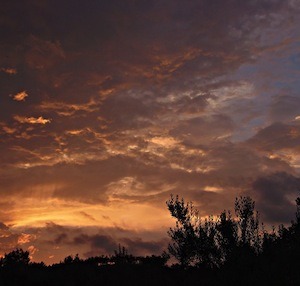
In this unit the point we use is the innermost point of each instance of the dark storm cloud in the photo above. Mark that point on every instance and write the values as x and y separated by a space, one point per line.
99 243
204 130
61 238
276 194
3 226
43 54
284 108
277 136
138 245
91 241
107 244
235 160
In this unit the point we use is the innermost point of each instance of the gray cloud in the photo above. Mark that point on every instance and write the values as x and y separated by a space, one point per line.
284 108
106 244
277 136
276 195
98 243
204 130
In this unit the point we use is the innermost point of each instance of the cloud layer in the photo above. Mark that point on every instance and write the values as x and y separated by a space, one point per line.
108 107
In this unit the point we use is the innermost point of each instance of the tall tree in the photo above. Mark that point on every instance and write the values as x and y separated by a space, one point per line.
248 223
193 240
227 234
183 235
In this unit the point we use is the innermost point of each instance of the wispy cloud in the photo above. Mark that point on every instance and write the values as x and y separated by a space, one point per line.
43 54
68 109
9 130
10 239
10 71
20 96
32 120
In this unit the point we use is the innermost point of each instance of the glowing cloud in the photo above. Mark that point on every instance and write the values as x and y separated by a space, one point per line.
65 109
25 238
20 96
9 130
32 120
10 71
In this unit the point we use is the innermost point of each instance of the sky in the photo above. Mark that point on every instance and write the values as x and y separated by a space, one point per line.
108 107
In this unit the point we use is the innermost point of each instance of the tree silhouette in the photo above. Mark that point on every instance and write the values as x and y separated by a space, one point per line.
183 235
227 236
210 242
193 240
248 223
15 258
121 256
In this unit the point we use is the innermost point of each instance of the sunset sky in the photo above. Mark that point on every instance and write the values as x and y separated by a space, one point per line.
108 107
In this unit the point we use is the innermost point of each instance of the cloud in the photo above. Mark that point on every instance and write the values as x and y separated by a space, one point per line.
11 239
138 246
106 244
10 71
276 136
61 238
68 109
9 130
98 242
204 130
3 226
54 242
284 108
86 215
43 54
20 96
32 120
276 195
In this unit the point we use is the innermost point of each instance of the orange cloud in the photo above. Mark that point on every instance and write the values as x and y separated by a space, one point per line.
9 130
20 96
25 238
66 109
32 120
10 71
10 239
32 250
43 54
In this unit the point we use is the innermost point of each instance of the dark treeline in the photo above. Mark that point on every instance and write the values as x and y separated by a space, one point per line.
231 249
